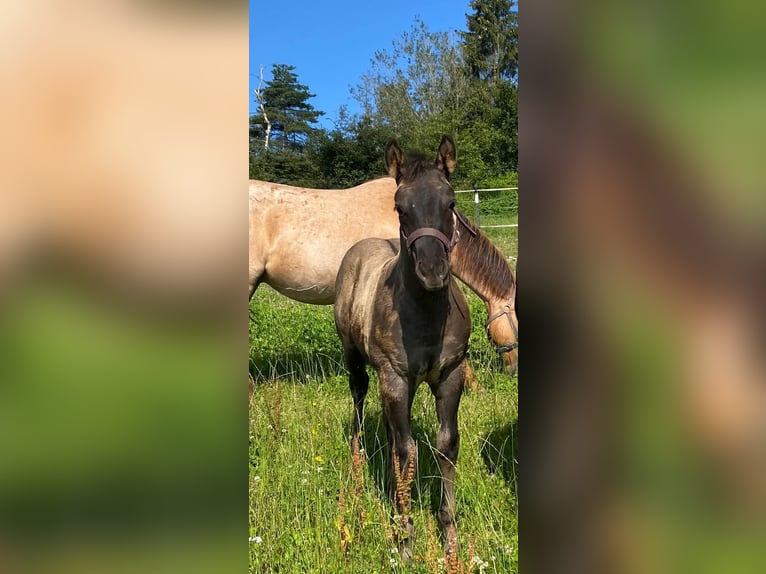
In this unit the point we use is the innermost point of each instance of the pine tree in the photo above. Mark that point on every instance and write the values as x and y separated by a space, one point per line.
285 101
490 53
490 44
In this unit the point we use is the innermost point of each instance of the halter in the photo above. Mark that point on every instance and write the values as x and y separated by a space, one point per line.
506 310
432 232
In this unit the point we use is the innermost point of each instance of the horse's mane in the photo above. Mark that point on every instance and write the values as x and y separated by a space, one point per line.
492 274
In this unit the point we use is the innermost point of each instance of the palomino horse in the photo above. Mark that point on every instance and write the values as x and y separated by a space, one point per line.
298 237
399 309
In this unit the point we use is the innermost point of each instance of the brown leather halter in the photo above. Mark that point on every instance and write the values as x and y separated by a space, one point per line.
506 310
432 232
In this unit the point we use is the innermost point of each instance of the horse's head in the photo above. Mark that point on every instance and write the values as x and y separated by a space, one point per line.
425 201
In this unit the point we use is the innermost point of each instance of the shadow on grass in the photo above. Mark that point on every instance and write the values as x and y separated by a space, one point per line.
427 483
500 450
296 365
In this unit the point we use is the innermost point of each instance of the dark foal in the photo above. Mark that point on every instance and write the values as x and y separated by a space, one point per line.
399 309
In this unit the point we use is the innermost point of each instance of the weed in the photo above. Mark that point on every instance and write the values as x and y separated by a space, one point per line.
273 402
352 515
403 484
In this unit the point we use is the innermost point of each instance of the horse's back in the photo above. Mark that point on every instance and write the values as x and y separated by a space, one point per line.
298 236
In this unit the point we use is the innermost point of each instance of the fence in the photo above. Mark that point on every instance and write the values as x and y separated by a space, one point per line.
477 210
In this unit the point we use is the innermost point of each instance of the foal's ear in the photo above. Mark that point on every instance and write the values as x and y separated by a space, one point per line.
446 157
394 159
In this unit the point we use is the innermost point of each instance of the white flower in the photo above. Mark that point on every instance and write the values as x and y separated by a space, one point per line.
256 539
477 561
257 479
392 561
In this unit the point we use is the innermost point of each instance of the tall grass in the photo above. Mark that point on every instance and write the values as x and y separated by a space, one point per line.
313 508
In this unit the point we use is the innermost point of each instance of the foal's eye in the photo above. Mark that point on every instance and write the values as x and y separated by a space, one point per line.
452 205
398 209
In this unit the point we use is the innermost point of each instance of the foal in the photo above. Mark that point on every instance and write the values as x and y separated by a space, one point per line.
399 309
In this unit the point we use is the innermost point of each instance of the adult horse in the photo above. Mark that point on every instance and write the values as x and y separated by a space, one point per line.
399 309
298 237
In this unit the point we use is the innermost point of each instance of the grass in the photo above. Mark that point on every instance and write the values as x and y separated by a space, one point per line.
505 238
313 509
316 509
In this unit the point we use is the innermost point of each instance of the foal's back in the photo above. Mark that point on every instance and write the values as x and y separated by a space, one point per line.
357 287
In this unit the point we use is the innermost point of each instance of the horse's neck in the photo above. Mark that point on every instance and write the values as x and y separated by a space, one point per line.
464 268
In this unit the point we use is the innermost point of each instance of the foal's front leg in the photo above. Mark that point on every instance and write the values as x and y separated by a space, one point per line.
447 394
396 397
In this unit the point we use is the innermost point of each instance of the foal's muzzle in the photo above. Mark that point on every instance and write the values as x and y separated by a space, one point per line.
431 261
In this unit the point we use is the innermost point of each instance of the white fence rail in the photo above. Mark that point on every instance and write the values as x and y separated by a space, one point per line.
477 211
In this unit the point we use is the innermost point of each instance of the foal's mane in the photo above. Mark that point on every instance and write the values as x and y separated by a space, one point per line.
416 164
495 276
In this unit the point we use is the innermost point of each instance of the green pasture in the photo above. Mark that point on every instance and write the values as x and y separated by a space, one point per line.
313 510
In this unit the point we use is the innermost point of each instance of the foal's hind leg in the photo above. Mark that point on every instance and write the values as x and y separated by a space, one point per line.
358 382
447 395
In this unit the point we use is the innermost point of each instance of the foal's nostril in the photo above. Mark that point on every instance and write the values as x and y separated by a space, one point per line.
433 273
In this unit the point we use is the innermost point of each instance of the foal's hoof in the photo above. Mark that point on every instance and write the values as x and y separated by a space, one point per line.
406 542
450 540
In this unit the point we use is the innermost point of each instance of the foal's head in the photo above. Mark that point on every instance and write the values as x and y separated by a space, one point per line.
424 201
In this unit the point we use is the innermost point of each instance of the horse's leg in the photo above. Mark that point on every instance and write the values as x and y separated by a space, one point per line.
447 395
358 382
255 277
254 281
396 398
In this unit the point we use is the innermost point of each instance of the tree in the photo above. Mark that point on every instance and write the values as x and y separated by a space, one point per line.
426 85
431 83
417 88
284 102
352 153
265 124
490 52
281 132
490 44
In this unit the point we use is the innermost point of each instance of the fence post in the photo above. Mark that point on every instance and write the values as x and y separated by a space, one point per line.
476 206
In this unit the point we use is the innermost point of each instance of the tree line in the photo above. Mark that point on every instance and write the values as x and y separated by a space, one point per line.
427 84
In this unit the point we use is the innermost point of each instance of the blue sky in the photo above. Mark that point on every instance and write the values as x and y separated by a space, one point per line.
331 43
